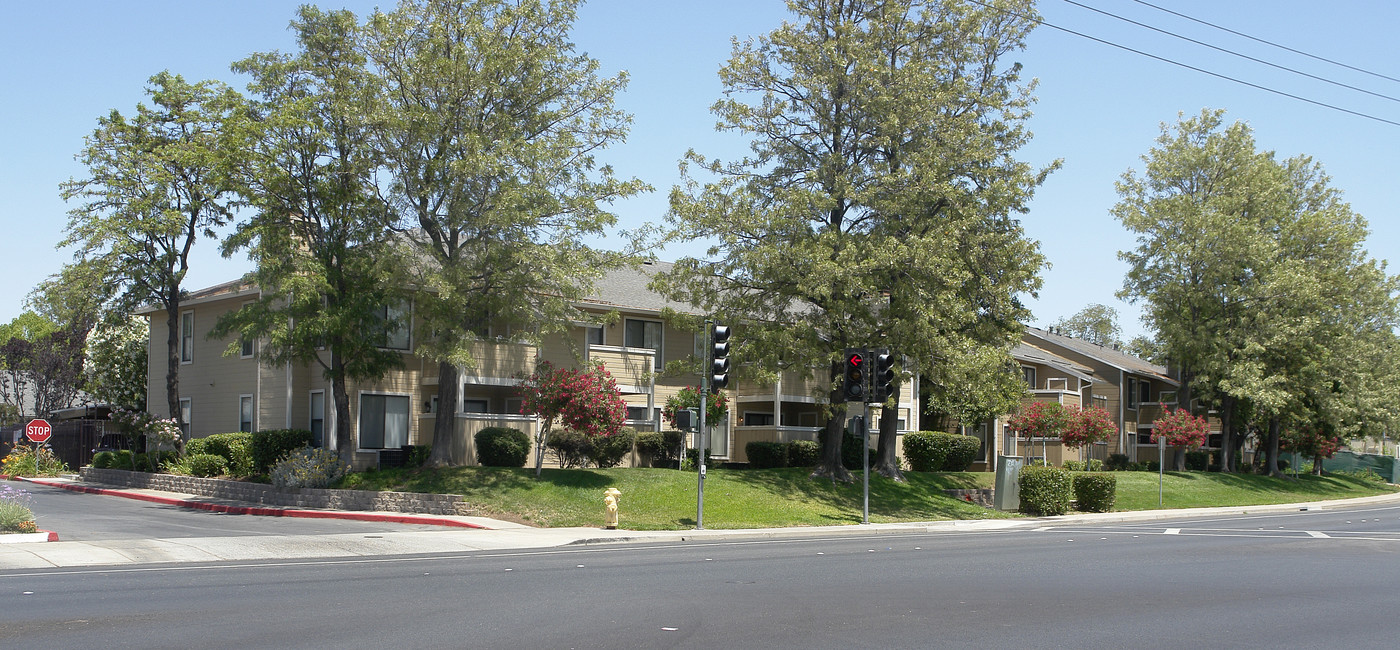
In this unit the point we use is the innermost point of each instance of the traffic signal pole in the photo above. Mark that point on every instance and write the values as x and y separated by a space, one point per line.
700 433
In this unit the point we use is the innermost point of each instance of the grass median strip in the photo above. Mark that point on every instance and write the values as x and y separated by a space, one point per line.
664 499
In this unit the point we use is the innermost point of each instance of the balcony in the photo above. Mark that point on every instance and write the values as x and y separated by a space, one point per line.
631 368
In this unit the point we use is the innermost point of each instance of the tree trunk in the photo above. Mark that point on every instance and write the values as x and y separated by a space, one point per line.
830 465
340 394
1179 459
172 358
445 424
1227 437
886 463
1271 448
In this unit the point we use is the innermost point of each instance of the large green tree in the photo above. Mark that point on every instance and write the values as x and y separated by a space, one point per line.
489 122
876 208
157 181
1253 274
1096 323
319 231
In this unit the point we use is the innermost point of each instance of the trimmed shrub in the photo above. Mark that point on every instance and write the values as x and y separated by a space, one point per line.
122 459
1198 460
1095 465
766 455
961 453
196 446
1117 463
204 465
1095 492
141 463
850 451
235 448
609 451
104 460
659 446
308 467
925 451
270 445
570 447
1045 490
803 453
502 447
692 456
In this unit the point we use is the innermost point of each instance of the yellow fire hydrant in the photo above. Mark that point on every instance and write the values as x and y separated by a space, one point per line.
610 496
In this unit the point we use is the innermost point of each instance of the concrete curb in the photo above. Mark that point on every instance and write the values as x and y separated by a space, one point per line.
28 538
397 518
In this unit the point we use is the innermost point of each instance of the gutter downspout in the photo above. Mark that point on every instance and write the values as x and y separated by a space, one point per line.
1123 417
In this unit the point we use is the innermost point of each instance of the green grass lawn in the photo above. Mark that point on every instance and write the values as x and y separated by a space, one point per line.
1138 490
664 499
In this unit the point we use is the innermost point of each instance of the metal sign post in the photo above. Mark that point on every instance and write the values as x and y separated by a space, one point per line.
865 453
700 434
1161 466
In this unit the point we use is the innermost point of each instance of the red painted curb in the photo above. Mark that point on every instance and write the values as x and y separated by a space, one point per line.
396 518
53 537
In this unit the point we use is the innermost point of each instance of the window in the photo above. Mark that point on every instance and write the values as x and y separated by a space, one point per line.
1057 383
187 337
639 413
186 411
752 419
514 404
1167 397
644 334
245 345
318 418
1144 435
1144 392
396 319
1132 393
476 406
383 421
1029 374
245 412
593 335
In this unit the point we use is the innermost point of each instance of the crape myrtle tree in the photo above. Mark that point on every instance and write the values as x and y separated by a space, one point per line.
489 123
319 231
1180 430
1085 427
875 208
1044 420
584 400
157 181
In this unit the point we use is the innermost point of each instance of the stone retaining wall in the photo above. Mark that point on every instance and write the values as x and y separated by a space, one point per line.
264 494
982 496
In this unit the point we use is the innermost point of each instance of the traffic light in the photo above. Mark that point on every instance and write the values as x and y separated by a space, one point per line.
719 358
854 384
882 382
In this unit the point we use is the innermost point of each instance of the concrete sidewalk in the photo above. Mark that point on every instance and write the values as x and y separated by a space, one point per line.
463 534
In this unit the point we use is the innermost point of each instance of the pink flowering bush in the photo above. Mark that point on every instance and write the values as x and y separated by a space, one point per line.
1086 426
1040 420
586 401
1181 429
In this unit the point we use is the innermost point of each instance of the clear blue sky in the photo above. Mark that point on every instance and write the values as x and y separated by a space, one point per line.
1099 107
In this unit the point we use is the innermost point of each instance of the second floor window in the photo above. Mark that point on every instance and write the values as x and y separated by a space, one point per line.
396 317
1029 374
644 334
187 337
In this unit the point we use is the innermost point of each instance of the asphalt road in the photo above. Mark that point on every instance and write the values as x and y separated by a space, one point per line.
1306 579
79 517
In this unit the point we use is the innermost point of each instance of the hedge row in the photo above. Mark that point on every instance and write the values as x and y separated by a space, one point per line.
1046 491
798 453
936 451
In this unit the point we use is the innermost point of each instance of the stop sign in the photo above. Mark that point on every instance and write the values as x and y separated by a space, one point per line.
38 430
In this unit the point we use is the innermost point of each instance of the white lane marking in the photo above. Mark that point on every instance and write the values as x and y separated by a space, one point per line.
1172 531
1318 534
